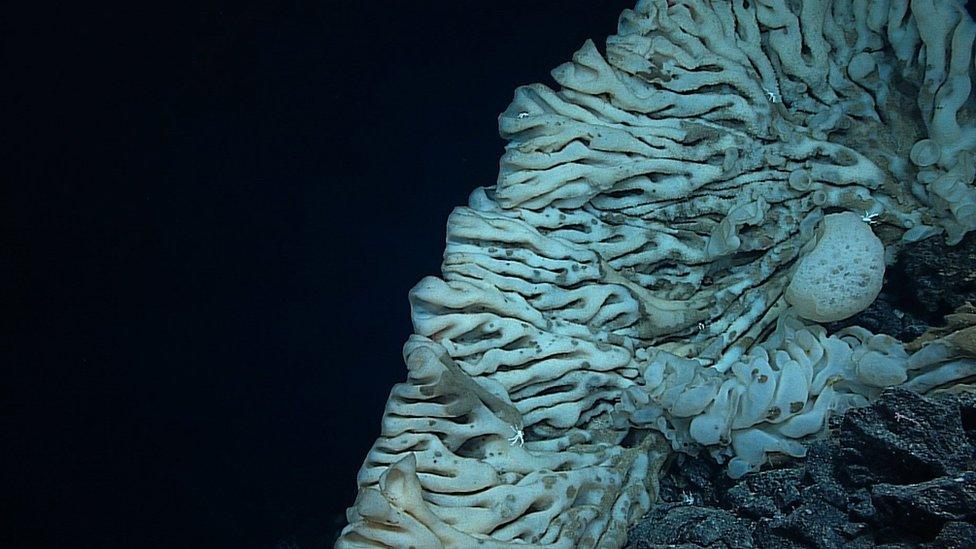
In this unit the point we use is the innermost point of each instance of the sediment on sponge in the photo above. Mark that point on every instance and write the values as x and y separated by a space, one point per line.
641 266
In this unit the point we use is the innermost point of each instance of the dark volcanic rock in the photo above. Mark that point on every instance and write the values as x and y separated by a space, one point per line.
943 277
955 534
898 473
904 438
942 499
696 477
680 525
819 524
929 280
967 411
768 496
892 313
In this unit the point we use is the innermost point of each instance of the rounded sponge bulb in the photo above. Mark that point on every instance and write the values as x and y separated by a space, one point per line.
843 273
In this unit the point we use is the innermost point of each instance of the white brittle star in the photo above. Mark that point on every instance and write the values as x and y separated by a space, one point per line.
518 437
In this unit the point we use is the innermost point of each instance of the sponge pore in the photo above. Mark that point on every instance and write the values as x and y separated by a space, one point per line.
843 273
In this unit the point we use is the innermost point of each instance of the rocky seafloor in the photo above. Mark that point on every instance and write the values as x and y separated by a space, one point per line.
898 473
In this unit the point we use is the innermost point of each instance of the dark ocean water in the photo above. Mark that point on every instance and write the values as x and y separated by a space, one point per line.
217 212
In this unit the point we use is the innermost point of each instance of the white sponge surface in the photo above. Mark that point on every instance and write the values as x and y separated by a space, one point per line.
843 273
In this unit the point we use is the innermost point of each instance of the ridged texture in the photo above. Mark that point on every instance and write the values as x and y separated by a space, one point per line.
624 278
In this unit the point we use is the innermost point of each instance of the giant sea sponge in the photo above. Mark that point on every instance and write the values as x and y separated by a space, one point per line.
620 292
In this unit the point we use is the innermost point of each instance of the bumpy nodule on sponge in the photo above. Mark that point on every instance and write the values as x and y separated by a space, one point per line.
843 273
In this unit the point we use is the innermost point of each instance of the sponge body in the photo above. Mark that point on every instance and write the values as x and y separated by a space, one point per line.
843 273
627 273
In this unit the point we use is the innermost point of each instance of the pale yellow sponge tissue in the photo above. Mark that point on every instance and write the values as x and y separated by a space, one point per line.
843 273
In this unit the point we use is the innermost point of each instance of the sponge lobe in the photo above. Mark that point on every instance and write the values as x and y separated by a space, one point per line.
842 275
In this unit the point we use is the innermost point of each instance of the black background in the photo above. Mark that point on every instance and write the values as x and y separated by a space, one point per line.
213 215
